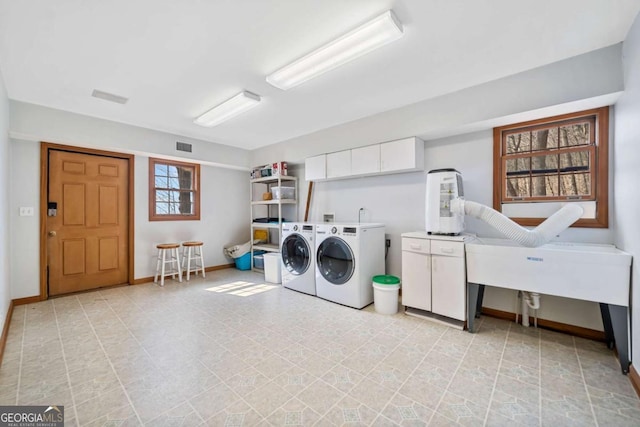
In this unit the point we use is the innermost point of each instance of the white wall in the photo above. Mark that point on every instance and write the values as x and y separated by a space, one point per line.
25 230
224 198
5 267
36 123
224 217
394 200
627 173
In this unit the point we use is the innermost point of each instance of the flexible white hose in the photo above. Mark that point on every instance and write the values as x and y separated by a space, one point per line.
559 221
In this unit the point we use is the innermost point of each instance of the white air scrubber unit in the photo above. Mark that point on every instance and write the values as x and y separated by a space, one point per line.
446 208
443 186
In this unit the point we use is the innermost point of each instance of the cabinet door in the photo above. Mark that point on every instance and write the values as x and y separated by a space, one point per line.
315 168
339 164
403 154
448 286
416 280
365 160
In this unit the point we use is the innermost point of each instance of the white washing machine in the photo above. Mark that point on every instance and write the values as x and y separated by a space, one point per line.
298 257
347 258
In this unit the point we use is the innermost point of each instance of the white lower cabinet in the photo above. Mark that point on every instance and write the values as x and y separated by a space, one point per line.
448 287
433 274
416 280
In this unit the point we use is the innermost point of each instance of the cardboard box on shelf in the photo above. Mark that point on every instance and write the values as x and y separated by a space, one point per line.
261 171
279 168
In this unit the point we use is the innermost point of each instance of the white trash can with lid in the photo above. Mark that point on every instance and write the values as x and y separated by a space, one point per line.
385 293
272 267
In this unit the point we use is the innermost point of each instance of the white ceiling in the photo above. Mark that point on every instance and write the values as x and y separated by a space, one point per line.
176 59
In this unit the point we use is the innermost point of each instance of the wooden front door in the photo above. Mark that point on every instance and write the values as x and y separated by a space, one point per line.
87 236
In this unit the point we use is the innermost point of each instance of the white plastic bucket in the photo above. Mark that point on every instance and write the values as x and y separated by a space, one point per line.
272 267
385 295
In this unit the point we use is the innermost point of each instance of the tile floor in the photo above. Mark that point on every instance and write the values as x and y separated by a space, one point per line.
233 351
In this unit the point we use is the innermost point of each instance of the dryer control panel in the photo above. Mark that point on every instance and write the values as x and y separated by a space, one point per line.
349 231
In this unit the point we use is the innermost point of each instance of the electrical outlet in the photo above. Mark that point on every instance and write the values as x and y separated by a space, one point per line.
26 211
387 243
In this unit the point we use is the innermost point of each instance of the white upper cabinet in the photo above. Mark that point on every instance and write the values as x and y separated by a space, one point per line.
402 155
315 168
339 164
365 160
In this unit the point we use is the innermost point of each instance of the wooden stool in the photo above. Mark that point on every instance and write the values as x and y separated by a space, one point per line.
193 251
173 259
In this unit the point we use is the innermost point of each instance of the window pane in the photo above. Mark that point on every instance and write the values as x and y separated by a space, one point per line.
187 208
185 176
186 196
544 164
574 162
518 187
162 208
161 169
518 143
544 139
173 171
185 202
174 183
544 185
161 182
519 166
578 184
162 196
575 134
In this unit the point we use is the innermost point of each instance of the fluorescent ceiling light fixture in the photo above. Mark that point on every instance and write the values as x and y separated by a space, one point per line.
230 108
367 37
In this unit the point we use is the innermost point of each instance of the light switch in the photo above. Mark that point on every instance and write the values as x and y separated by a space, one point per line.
26 211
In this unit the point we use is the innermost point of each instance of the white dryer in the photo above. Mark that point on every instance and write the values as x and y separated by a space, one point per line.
298 260
347 258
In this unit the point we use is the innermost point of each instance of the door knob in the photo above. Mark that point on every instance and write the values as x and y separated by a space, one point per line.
52 234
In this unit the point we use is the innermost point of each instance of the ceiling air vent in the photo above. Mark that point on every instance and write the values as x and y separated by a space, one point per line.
109 97
183 146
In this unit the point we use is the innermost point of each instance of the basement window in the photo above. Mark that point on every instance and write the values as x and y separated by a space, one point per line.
174 190
543 164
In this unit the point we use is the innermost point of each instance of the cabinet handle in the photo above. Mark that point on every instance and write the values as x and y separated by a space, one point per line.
416 247
446 250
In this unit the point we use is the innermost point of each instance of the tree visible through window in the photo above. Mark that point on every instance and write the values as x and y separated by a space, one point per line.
550 163
559 159
173 190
